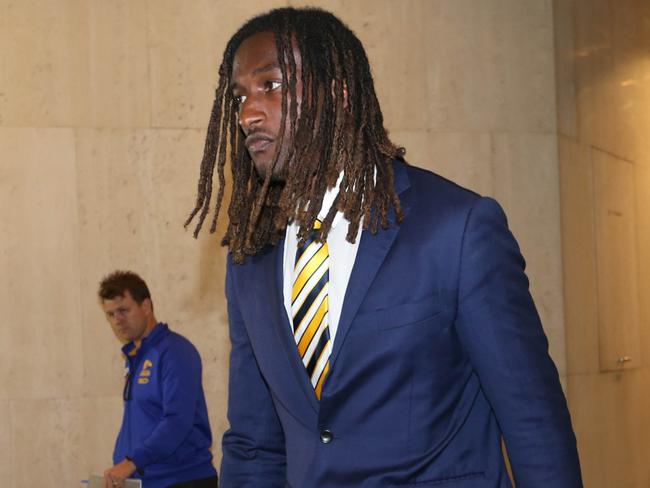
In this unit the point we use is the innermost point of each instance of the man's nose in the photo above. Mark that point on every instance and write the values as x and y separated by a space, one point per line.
251 114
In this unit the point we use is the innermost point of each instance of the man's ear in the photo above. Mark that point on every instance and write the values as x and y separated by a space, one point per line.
147 304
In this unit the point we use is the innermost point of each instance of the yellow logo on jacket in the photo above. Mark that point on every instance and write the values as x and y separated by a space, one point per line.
145 372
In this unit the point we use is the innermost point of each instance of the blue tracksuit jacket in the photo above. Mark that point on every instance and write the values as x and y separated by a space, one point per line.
165 430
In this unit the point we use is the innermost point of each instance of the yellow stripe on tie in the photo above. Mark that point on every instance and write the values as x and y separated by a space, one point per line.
308 270
321 380
312 328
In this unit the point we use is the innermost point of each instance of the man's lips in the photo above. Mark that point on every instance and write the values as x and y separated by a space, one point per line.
257 142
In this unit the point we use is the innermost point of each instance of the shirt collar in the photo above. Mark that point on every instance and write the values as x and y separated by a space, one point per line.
328 201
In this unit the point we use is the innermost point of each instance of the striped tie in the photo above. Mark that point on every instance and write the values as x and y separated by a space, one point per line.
309 308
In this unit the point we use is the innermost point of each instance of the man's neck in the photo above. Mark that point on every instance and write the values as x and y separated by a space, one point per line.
151 325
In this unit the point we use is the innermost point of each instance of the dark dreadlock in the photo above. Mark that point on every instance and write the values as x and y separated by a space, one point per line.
348 136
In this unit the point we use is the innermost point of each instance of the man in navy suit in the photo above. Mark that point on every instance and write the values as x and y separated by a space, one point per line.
382 329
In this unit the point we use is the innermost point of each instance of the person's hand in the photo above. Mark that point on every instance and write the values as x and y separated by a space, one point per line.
114 477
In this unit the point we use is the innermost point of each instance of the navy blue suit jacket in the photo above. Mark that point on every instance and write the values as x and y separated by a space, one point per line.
439 352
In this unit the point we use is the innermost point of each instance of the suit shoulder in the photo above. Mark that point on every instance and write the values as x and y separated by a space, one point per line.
440 190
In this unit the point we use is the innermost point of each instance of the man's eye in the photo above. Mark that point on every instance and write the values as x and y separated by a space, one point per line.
239 99
273 85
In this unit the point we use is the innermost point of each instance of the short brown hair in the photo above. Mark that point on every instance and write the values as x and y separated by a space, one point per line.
118 282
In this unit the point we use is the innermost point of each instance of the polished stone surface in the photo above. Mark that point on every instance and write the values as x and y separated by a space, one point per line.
74 63
430 73
616 262
578 251
48 442
187 40
612 76
607 412
603 67
40 336
6 442
100 419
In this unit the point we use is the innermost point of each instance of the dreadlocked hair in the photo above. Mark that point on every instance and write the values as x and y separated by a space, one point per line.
339 128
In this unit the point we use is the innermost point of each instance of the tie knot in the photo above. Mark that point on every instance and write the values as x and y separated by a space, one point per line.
317 224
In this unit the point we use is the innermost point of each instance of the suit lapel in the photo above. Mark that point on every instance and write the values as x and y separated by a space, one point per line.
372 252
266 278
286 335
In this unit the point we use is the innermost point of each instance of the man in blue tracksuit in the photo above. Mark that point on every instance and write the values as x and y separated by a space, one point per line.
165 436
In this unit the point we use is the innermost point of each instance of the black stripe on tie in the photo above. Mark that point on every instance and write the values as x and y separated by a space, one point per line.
301 250
325 336
310 298
310 239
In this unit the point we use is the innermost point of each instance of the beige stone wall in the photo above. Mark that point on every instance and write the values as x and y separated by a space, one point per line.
603 72
103 110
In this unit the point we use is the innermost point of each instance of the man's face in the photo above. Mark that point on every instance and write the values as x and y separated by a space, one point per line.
257 85
131 321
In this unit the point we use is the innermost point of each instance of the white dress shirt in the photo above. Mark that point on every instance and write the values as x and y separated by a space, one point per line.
342 255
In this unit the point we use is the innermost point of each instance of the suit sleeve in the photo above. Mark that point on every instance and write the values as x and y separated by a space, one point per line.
502 332
253 446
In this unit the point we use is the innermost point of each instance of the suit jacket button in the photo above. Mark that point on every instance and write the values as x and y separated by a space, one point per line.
326 436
